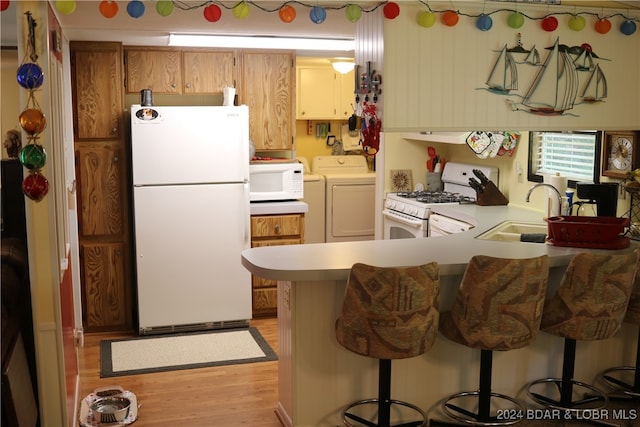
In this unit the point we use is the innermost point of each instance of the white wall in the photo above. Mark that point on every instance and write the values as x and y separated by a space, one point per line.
434 78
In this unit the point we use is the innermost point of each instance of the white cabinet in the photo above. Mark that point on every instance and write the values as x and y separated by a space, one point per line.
324 94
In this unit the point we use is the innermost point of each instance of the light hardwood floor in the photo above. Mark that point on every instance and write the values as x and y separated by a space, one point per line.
235 395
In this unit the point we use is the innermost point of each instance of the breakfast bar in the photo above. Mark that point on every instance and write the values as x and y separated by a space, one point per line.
318 377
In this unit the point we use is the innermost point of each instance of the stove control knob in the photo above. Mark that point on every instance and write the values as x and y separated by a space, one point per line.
414 211
390 204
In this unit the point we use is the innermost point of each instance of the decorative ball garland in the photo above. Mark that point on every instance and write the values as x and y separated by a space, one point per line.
32 156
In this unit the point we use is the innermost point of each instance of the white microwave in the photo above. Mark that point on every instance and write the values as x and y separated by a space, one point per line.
275 181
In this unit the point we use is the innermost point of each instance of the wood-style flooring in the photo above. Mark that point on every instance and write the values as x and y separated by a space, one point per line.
235 395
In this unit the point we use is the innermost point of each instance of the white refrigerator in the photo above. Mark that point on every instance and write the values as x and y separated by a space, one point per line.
190 168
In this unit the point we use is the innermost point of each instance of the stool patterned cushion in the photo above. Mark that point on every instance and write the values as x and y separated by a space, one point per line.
499 304
592 298
390 313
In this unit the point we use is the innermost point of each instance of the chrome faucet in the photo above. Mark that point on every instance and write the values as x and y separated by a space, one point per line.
541 184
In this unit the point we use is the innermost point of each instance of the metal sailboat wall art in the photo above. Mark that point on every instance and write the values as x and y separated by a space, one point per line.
556 84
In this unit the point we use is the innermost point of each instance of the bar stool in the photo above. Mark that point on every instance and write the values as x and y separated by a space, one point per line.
590 304
498 307
615 378
388 313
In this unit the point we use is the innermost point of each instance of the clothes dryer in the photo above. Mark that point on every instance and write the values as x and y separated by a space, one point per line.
349 197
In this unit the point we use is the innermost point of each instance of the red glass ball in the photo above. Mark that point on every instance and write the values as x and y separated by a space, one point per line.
391 10
35 186
4 5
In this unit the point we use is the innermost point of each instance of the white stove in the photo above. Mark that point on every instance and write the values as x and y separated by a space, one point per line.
406 214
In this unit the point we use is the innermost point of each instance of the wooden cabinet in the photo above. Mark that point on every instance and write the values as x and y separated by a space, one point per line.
267 86
208 72
171 71
155 69
97 90
102 190
272 230
324 94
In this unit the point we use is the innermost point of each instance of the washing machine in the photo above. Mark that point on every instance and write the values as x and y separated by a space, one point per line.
314 187
349 197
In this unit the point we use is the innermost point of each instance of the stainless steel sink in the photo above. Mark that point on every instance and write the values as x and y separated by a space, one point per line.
511 231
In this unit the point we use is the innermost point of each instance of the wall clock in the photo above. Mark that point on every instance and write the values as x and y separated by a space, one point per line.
620 154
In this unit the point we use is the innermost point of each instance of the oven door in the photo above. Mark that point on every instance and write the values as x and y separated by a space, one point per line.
399 226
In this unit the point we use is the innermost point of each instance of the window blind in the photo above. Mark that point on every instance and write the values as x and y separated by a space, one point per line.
571 154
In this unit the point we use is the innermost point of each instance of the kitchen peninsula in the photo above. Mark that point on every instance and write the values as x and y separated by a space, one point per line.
317 377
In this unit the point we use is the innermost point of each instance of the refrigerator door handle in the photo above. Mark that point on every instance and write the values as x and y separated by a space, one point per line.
247 215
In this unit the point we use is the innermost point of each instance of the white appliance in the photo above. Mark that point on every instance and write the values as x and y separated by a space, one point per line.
314 188
276 180
191 216
408 214
349 197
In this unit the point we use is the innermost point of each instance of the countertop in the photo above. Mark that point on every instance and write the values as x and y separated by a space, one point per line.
278 208
333 261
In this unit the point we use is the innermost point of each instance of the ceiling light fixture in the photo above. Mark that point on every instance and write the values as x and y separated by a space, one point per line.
262 42
342 66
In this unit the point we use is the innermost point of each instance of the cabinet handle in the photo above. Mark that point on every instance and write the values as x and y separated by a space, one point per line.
114 131
276 228
115 159
173 85
188 85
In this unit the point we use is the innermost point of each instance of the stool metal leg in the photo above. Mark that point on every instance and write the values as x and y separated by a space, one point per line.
630 390
384 404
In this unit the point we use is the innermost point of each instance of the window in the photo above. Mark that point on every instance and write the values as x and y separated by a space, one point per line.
575 155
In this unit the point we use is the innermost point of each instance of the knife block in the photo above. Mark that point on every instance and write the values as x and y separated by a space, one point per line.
491 196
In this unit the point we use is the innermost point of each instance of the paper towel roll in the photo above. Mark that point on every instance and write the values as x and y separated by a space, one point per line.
560 184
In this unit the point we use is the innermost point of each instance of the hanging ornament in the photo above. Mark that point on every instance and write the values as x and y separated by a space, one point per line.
135 9
602 26
484 22
164 7
550 23
32 156
628 27
30 76
212 13
287 13
391 10
577 22
353 12
450 18
108 8
4 5
32 121
515 20
241 10
66 7
426 19
317 15
35 186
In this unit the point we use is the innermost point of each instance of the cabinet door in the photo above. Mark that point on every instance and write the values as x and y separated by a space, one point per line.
100 178
347 97
316 93
208 72
97 90
267 87
106 296
158 70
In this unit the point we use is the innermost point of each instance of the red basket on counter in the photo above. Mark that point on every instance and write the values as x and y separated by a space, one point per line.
588 231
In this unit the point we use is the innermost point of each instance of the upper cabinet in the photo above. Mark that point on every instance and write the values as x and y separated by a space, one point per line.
208 72
267 86
158 70
324 94
97 90
171 71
